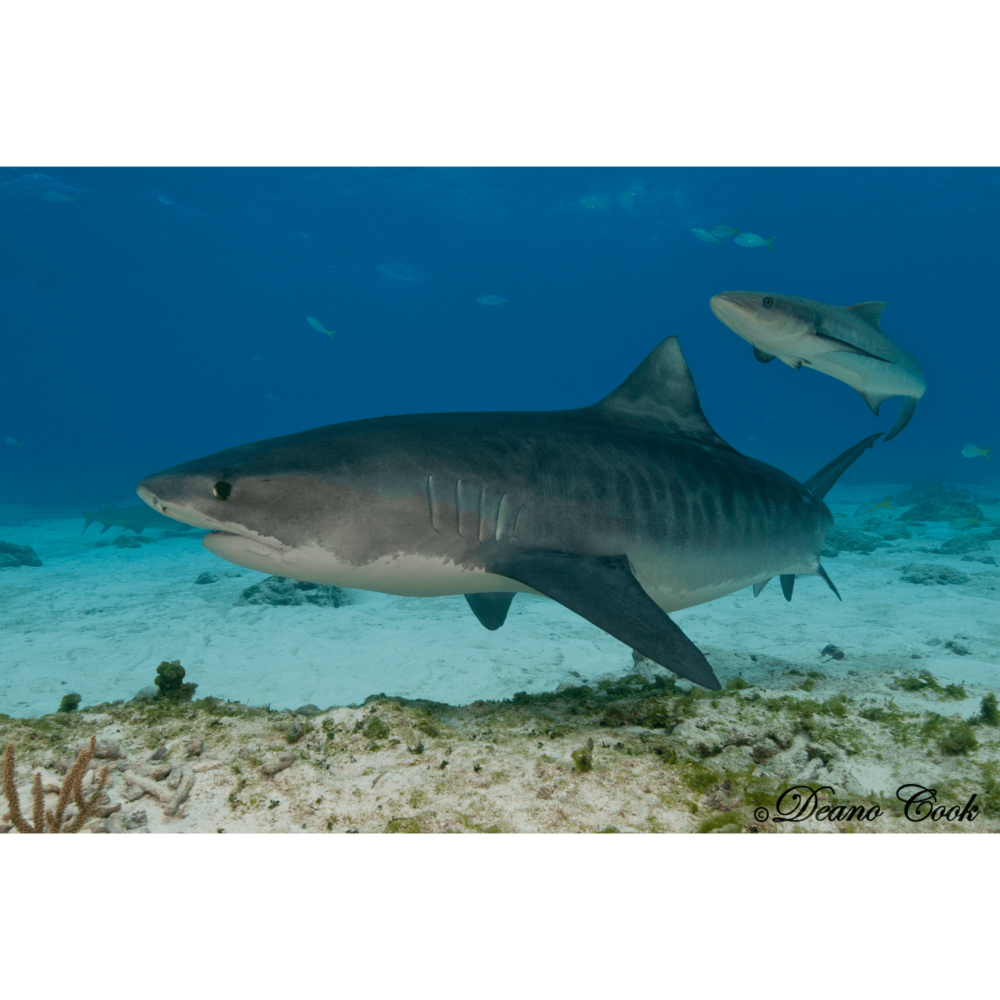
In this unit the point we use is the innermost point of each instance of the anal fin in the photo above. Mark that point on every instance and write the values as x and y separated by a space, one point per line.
491 609
758 587
787 583
604 590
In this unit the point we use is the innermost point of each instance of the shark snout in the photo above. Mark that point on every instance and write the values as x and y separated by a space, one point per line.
735 312
147 496
173 497
726 305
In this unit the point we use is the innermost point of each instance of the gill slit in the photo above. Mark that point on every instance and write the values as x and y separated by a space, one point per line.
430 501
517 520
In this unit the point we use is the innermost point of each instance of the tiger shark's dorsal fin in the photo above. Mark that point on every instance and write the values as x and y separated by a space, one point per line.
868 311
660 394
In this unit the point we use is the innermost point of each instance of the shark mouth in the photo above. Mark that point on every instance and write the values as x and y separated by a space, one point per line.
244 551
232 541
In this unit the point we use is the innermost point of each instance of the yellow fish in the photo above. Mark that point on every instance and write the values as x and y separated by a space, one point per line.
971 451
867 508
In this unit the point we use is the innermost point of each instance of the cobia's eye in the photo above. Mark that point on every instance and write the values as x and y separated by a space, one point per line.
222 491
768 302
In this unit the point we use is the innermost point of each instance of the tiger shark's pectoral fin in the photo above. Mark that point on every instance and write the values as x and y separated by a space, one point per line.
491 609
604 590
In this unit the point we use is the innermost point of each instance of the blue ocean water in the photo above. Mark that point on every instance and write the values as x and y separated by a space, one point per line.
152 316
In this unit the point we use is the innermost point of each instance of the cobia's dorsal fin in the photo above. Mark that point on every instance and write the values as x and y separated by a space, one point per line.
868 311
660 394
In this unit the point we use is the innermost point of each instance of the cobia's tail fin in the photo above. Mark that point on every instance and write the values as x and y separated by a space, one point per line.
820 483
903 417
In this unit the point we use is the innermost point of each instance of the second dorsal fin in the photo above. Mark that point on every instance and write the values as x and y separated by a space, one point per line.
660 394
868 311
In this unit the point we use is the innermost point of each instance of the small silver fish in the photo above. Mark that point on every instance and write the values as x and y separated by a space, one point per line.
971 451
721 232
753 240
13 442
493 300
56 196
705 236
271 396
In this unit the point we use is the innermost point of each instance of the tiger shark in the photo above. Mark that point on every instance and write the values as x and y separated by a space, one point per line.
843 341
622 511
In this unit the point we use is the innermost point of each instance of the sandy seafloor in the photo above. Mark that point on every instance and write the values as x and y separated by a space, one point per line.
97 619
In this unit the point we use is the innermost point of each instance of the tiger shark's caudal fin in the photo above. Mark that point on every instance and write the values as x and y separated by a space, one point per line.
819 485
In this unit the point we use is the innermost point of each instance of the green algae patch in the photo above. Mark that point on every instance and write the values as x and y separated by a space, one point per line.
584 757
927 683
960 739
170 682
727 822
69 703
377 728
989 712
403 825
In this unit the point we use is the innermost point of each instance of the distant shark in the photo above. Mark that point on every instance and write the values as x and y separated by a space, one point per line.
843 341
621 511
136 519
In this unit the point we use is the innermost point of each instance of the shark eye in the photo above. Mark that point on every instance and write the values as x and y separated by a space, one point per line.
222 491
768 302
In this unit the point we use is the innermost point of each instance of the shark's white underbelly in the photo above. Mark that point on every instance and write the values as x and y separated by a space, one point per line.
403 574
411 575
866 375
